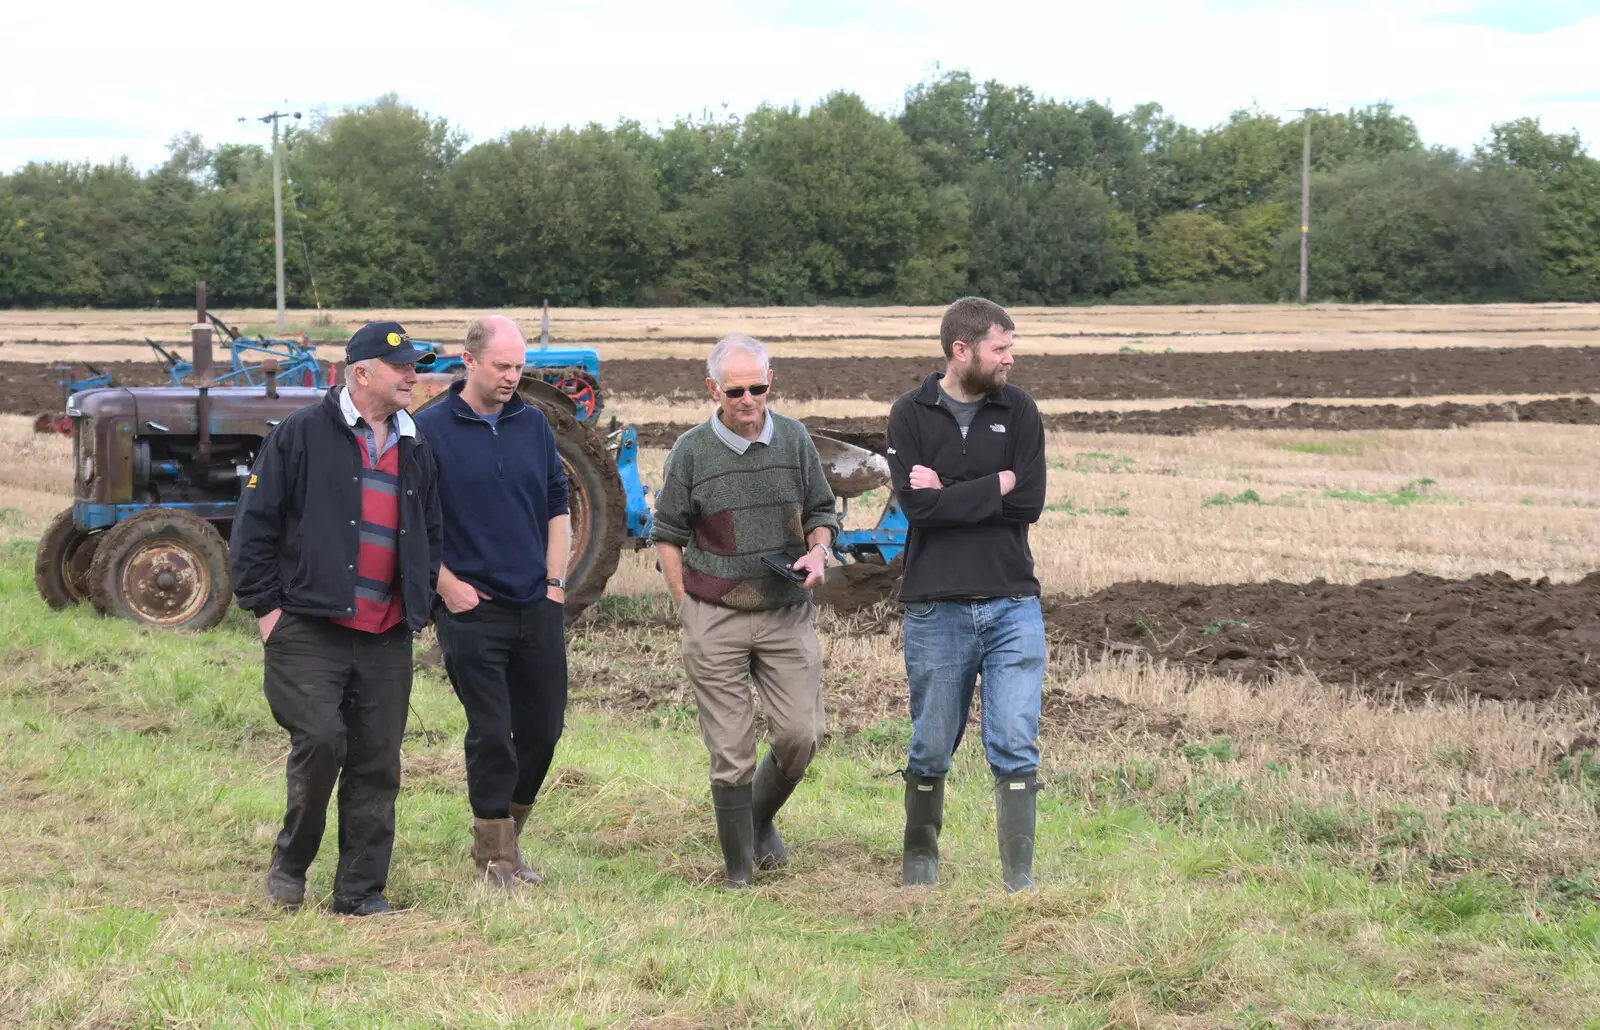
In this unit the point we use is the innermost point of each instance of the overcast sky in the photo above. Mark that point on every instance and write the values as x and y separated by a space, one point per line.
96 79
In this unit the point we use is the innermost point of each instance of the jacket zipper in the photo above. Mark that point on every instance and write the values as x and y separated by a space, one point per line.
940 407
494 428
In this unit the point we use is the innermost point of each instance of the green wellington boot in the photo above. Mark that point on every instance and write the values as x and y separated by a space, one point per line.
770 790
736 829
1015 809
924 820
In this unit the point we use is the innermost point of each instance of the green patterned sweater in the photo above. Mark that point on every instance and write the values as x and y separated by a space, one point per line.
726 510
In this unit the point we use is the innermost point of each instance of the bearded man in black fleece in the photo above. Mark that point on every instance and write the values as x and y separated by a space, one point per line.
966 455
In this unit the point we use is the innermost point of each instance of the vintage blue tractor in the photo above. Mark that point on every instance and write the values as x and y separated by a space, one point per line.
295 356
571 371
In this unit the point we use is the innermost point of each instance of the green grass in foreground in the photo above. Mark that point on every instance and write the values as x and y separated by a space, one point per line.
141 783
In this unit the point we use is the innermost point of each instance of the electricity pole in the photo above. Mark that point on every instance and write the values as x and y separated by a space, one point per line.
277 199
1305 197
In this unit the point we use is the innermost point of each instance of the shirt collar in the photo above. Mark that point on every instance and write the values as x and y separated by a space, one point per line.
401 419
736 443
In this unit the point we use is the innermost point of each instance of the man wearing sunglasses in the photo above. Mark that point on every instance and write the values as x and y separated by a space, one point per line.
743 499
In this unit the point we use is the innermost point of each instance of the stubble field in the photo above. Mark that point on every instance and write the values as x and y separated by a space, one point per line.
1308 762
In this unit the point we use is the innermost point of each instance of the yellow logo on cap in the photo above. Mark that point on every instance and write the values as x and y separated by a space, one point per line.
394 339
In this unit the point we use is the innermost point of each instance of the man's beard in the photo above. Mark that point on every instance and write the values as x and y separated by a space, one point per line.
974 381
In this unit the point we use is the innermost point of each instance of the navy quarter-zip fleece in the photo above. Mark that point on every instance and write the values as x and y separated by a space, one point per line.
500 485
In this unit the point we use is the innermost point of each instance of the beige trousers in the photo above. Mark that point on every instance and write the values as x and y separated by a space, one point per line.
725 653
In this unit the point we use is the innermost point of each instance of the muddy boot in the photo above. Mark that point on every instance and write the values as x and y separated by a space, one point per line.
736 829
1014 813
494 851
519 818
924 820
770 790
285 890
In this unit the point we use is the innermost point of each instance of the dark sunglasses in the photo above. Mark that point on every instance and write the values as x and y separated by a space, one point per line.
735 392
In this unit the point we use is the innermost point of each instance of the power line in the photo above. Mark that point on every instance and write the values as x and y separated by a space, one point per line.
300 226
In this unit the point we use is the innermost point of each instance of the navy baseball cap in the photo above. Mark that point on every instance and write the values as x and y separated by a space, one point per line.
386 340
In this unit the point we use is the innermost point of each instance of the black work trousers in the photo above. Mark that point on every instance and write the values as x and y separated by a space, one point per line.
343 695
508 664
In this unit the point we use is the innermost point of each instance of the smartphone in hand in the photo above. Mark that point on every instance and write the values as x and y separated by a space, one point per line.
783 565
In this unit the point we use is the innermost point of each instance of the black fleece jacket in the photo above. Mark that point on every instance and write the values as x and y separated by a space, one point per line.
297 529
966 540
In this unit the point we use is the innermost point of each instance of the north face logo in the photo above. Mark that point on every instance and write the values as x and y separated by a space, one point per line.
997 427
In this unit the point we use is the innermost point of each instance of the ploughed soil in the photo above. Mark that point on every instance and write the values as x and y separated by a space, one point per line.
870 432
1409 637
29 388
1412 636
1400 372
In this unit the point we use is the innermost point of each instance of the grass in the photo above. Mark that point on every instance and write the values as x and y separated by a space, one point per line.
320 327
1222 500
1417 491
1298 859
1346 447
1066 507
1211 854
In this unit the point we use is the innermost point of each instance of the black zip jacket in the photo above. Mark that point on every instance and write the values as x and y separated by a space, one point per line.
967 541
298 527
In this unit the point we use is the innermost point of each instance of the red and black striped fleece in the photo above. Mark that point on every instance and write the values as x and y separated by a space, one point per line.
379 607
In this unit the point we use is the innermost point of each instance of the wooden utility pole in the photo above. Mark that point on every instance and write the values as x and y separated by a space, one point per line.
277 200
1305 200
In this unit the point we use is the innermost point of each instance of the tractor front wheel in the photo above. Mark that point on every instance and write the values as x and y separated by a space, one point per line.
61 564
163 567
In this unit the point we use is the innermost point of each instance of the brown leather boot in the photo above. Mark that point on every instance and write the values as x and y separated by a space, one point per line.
494 850
525 872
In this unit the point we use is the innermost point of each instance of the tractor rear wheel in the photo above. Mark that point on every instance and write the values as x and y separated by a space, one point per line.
596 501
61 565
163 567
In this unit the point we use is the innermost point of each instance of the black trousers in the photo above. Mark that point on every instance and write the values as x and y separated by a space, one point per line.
508 665
343 695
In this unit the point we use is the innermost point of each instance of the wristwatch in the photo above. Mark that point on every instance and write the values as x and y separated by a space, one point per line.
559 584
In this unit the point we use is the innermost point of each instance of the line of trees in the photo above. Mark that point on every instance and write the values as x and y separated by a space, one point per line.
970 188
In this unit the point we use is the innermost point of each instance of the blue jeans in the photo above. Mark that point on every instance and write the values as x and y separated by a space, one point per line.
948 644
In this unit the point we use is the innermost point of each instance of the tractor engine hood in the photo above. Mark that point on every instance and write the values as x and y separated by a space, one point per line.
235 411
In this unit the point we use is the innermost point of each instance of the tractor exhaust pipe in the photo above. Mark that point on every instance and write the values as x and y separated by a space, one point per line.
200 341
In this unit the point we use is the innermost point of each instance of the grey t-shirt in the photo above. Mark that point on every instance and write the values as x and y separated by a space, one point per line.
964 411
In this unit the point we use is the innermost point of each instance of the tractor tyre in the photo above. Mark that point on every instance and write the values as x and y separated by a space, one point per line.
162 567
61 564
596 501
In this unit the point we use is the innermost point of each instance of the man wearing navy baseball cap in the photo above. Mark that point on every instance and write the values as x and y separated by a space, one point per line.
335 549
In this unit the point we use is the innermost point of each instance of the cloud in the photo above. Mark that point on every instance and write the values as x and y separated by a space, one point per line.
494 65
1523 16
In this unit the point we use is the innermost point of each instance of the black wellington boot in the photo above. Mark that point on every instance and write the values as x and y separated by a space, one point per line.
736 829
1015 809
771 789
924 820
